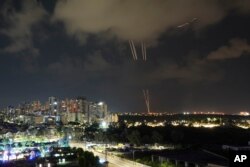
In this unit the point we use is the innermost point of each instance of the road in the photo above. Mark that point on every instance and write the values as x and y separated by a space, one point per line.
114 161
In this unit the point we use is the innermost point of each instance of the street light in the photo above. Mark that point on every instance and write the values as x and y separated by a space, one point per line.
134 156
104 124
104 127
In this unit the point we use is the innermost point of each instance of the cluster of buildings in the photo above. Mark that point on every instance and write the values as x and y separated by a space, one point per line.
55 110
197 120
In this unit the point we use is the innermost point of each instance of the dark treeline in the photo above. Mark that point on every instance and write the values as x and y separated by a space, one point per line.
168 134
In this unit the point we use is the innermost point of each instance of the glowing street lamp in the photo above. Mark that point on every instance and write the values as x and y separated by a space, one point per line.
104 124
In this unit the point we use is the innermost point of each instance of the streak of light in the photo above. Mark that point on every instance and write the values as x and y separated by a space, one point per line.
188 23
146 97
148 101
132 50
183 25
144 51
133 46
194 19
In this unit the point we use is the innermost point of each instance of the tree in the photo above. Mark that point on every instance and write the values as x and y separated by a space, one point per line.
87 159
79 152
101 136
5 141
156 137
134 137
146 139
177 136
91 130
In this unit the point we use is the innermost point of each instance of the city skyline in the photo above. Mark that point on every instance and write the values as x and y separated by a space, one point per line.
36 105
198 53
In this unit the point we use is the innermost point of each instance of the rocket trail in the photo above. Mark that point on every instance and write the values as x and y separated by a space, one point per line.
183 25
133 46
146 97
145 51
142 51
132 50
188 23
148 101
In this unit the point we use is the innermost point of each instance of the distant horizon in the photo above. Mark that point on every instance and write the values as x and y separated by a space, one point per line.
185 112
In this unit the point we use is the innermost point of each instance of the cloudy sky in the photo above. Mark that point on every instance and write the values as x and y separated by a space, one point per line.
198 53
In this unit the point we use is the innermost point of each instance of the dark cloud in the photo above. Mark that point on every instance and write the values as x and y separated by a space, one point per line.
235 49
81 68
193 70
141 19
242 5
96 63
19 26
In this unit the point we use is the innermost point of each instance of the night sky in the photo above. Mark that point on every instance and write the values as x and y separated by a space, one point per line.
71 48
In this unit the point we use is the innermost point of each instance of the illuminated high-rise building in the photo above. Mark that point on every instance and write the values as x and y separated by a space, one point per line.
97 111
77 110
53 106
36 105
